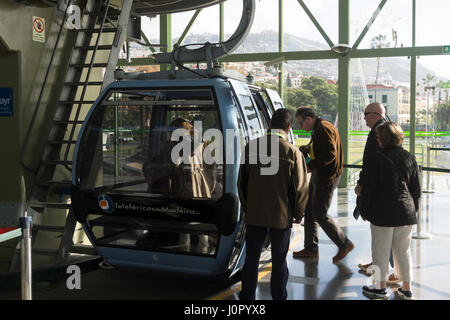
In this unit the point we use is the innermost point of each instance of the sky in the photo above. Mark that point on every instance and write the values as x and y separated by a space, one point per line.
431 23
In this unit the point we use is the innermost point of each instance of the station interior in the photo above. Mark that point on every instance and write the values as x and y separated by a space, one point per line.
89 89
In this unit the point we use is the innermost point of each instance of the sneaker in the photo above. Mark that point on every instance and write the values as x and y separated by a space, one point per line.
373 293
342 253
306 254
404 294
364 268
393 279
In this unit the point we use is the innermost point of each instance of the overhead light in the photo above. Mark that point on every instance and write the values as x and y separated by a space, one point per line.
341 48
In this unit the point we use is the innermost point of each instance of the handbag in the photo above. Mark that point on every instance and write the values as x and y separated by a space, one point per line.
357 211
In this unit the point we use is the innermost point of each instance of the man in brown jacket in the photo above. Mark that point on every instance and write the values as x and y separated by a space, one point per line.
271 202
325 161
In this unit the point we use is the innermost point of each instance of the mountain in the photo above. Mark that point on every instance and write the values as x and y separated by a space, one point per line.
395 69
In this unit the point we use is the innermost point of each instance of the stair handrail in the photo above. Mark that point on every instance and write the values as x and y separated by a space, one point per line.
83 92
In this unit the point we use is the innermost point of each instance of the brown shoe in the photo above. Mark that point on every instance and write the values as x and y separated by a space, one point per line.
364 268
393 279
342 253
305 254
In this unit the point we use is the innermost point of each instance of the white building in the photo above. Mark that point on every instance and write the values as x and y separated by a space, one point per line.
394 99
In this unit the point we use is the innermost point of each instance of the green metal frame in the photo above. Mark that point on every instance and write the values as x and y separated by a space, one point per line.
369 24
343 59
316 24
344 83
188 27
165 36
280 49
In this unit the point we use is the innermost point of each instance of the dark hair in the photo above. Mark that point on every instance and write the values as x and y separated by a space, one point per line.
390 134
305 112
281 119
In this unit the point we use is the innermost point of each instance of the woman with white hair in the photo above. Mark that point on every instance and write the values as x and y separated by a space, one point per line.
390 201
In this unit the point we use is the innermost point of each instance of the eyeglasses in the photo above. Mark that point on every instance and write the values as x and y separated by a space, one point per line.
367 113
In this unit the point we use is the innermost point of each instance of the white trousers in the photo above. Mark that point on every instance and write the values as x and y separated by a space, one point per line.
397 238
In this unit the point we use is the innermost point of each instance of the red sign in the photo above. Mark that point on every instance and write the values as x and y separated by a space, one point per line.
38 25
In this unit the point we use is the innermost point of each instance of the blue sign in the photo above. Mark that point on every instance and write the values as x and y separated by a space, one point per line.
105 203
6 102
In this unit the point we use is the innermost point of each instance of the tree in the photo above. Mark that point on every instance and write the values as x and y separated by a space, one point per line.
289 81
327 99
429 80
377 42
298 97
443 117
312 82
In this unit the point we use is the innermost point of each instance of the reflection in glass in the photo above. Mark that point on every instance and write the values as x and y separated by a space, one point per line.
128 146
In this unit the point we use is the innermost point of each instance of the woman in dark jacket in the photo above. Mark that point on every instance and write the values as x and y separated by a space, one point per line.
390 201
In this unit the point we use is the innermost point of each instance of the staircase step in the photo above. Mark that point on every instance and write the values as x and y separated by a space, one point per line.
49 228
63 122
57 162
52 205
98 30
70 103
41 251
102 13
57 142
101 47
86 65
83 249
77 84
54 183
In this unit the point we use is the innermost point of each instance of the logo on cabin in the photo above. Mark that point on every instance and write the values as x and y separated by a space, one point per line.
105 203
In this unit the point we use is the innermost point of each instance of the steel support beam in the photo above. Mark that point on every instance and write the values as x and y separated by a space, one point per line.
165 36
188 27
369 24
412 84
280 49
316 23
222 22
344 84
314 55
147 42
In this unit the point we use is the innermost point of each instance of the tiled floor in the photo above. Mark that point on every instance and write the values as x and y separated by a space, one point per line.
309 279
321 279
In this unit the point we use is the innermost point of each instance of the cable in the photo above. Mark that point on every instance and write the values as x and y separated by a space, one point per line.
181 65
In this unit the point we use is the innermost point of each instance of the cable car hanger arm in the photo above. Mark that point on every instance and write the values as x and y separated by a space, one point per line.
182 54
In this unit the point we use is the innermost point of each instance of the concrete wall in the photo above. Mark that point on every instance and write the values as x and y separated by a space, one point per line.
24 63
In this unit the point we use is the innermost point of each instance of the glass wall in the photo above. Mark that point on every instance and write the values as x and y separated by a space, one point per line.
311 83
433 119
391 29
385 80
300 34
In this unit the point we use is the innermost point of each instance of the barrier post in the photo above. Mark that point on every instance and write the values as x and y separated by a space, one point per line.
419 234
26 223
428 190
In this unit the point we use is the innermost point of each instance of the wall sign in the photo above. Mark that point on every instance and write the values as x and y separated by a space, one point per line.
6 102
38 29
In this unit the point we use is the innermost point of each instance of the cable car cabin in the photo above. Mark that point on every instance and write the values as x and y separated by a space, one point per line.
139 205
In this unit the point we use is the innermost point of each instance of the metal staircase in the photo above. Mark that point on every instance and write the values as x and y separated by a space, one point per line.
50 193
